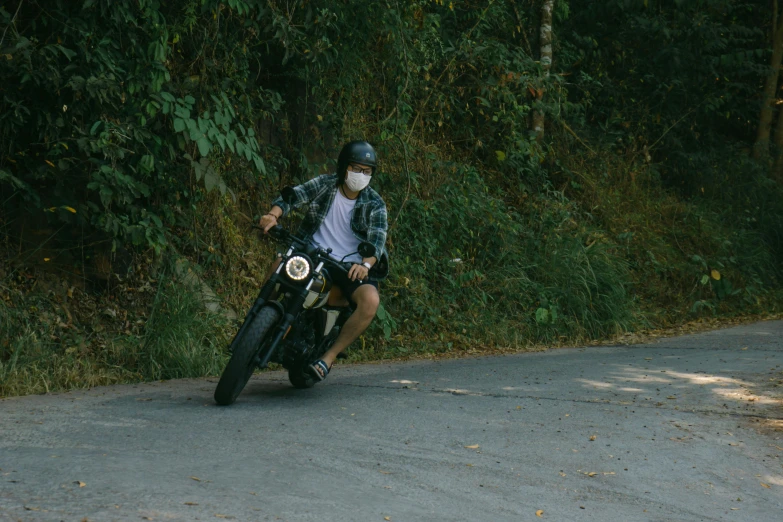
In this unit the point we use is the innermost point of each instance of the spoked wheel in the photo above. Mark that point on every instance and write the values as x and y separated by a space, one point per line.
300 378
243 359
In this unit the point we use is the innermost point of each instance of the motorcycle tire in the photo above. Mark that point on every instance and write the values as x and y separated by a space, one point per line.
299 378
243 359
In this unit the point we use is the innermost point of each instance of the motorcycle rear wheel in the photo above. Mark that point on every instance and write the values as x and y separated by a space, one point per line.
243 359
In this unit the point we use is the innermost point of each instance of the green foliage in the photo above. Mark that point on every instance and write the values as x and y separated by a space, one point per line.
470 260
89 122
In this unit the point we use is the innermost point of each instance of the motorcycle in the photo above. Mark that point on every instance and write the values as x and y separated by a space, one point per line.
298 325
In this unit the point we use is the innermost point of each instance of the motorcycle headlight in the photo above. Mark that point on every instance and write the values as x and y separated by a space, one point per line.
297 268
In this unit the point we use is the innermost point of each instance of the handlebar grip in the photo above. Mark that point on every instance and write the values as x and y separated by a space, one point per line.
276 232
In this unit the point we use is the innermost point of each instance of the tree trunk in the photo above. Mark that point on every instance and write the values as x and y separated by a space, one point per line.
778 147
546 63
761 147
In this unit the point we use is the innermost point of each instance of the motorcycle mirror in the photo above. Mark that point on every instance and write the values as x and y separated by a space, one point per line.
289 195
366 249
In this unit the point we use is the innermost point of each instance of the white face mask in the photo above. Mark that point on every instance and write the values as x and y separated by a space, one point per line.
356 181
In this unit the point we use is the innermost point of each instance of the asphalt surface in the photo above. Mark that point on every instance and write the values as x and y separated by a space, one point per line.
683 429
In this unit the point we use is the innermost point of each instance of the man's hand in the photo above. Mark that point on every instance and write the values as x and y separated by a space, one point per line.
267 222
359 272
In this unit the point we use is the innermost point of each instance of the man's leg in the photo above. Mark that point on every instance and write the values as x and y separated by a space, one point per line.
367 300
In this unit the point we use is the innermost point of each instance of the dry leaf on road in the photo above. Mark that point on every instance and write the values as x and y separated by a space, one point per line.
592 437
540 513
196 479
765 485
81 484
474 446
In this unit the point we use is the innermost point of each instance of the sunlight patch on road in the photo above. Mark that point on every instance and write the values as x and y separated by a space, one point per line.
459 391
773 480
703 378
596 384
741 394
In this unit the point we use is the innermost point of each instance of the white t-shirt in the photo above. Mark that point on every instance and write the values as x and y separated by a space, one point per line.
335 231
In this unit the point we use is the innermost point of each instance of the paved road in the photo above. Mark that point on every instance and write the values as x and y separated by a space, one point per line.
683 429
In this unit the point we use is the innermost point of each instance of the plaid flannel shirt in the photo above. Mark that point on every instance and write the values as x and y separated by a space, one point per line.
368 221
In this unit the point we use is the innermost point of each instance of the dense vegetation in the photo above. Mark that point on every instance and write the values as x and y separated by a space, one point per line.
139 139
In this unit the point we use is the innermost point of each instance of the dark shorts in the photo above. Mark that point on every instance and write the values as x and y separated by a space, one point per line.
348 287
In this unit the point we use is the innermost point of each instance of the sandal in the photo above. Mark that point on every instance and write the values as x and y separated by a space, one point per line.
318 370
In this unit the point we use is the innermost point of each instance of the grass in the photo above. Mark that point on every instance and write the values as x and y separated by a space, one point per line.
40 355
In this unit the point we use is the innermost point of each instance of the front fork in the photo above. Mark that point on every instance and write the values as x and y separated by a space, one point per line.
293 307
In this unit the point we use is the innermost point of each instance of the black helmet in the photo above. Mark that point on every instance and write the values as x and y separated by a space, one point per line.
359 152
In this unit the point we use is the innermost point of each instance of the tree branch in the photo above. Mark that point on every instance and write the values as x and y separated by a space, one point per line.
12 22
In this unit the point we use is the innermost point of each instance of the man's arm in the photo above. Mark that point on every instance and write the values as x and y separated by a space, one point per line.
376 232
305 193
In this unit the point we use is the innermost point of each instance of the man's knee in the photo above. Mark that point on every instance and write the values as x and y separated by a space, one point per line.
367 300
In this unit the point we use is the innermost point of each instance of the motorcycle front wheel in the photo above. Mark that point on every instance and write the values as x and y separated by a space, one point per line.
243 359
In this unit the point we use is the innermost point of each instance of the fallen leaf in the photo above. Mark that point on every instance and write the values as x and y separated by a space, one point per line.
387 518
143 400
592 437
648 358
671 397
81 484
765 485
540 513
31 508
591 474
562 474
474 446
191 503
196 479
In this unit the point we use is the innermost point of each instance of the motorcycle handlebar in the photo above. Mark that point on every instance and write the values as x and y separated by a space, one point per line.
282 235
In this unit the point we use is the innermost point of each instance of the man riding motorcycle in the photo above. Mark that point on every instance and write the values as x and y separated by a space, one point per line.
344 212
